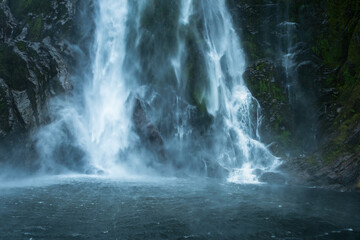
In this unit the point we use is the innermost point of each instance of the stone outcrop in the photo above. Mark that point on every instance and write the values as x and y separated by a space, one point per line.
321 118
33 65
277 126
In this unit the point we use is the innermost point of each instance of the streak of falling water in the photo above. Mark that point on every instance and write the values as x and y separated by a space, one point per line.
108 122
177 62
229 98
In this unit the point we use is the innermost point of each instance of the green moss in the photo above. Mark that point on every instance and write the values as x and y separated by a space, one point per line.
338 47
339 43
200 101
21 45
263 85
344 129
330 52
35 29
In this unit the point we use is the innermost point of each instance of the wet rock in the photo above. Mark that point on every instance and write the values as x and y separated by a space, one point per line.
147 131
323 85
33 60
273 178
345 171
354 137
342 174
277 115
23 105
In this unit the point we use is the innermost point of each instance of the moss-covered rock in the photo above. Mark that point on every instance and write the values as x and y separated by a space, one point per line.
32 68
277 117
337 45
323 45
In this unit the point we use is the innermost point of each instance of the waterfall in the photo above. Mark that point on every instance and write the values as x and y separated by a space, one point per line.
179 65
287 49
228 97
107 115
97 123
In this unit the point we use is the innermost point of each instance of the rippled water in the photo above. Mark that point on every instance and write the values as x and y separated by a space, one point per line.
98 208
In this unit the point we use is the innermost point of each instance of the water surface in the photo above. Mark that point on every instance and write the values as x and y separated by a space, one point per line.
98 208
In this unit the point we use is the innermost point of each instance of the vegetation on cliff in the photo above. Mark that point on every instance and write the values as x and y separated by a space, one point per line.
321 41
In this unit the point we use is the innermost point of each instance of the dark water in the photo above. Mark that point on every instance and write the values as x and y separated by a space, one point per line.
92 208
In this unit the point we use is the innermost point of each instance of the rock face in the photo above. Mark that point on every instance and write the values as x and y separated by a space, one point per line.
37 58
277 126
32 60
147 131
312 66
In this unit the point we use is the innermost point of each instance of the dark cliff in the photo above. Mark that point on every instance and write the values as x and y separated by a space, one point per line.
303 68
36 64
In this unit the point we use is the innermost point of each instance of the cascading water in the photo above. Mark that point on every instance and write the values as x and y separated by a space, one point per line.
182 64
287 50
107 114
161 94
229 99
100 125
